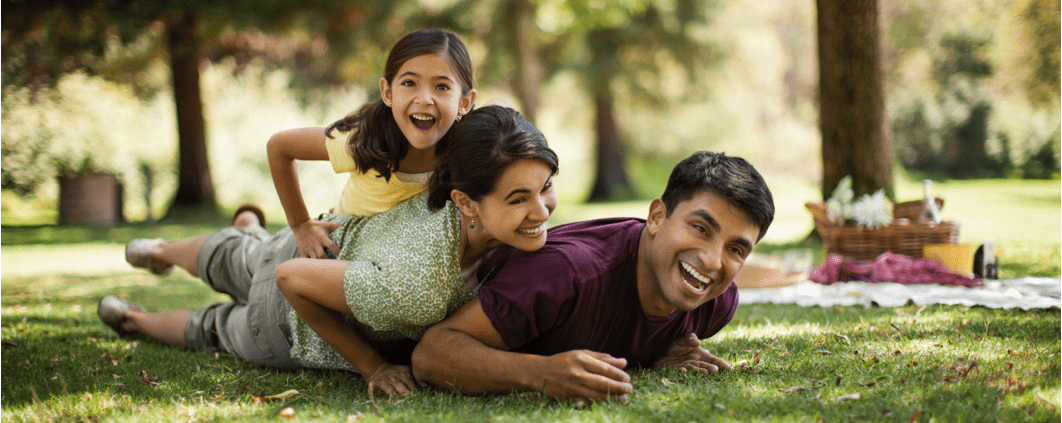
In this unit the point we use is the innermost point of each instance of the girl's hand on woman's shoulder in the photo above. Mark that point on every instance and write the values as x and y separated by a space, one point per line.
312 238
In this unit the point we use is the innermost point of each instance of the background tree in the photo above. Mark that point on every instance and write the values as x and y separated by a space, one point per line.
852 103
43 40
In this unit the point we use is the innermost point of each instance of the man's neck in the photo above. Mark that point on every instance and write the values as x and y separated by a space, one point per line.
649 296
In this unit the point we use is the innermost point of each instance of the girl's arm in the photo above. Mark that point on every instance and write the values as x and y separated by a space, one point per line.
314 288
282 150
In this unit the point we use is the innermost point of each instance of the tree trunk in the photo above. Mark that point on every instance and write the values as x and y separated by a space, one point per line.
528 68
195 189
855 139
611 180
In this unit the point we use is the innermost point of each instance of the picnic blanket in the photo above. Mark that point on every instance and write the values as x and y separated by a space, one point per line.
1024 293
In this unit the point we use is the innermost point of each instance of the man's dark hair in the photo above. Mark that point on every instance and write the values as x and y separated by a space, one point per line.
732 177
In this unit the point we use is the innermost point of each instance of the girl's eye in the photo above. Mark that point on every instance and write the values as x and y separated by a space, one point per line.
442 87
516 201
548 186
408 83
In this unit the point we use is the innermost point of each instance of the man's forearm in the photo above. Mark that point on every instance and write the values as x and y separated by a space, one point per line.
455 360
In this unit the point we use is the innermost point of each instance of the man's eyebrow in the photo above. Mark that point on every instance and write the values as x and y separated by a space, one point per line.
708 218
703 214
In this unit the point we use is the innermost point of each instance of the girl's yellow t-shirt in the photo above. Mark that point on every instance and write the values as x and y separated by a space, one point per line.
368 193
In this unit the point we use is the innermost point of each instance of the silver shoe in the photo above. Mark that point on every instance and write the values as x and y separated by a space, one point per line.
138 254
112 312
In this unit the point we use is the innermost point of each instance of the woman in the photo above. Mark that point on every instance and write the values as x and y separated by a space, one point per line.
397 273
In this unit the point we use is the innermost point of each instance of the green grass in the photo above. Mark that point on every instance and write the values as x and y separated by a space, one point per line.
937 363
945 363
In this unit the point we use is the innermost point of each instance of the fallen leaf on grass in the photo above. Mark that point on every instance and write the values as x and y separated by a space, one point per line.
914 418
666 381
824 352
793 389
719 406
756 357
287 412
867 384
744 364
8 343
849 397
276 397
153 381
1016 354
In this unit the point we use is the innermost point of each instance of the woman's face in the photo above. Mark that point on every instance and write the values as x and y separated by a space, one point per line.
516 211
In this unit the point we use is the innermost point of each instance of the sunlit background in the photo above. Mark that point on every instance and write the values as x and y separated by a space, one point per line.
986 70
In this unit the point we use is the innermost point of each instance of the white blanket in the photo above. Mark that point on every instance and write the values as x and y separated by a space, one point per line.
1024 293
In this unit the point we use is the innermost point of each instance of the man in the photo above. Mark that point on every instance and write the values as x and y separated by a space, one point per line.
602 295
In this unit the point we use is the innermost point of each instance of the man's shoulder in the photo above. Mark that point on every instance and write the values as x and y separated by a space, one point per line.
579 251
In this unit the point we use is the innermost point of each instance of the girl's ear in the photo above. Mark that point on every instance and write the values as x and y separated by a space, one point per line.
465 105
385 91
464 203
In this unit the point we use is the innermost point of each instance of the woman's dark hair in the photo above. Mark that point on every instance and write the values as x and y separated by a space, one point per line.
732 177
375 141
480 147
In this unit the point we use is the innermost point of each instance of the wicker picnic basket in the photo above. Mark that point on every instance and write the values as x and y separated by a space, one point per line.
905 236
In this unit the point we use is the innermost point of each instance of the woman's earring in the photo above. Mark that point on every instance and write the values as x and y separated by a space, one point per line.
471 224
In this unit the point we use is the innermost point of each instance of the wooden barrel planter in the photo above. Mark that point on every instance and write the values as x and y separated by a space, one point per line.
90 199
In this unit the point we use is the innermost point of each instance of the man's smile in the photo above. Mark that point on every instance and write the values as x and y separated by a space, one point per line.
693 279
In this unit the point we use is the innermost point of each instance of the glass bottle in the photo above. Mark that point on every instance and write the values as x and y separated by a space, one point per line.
930 212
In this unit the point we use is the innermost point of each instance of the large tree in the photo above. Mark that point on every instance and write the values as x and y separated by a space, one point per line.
43 39
855 140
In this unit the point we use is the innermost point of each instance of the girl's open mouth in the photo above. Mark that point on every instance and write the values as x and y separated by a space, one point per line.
422 122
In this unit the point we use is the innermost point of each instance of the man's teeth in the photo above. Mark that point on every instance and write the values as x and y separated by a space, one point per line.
532 231
703 280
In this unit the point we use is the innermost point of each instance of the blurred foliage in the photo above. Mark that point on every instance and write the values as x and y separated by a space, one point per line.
82 124
953 71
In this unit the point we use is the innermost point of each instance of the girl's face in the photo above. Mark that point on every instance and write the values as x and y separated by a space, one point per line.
516 211
425 99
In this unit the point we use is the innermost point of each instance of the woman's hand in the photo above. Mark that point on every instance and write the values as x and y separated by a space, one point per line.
391 379
686 354
312 238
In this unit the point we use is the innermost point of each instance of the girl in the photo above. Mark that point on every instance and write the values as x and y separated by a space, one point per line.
390 150
398 272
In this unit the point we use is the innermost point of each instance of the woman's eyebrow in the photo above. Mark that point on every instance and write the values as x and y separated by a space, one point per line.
517 191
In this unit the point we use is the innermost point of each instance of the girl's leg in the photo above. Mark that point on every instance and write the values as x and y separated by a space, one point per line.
165 327
185 252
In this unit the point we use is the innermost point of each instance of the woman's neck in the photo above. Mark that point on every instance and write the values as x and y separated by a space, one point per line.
474 243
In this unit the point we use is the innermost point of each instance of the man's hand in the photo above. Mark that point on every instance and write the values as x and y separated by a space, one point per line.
686 354
391 379
583 376
312 238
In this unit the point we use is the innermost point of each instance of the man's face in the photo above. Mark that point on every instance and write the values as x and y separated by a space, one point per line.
692 256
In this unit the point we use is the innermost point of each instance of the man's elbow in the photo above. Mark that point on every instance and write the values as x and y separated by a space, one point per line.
424 360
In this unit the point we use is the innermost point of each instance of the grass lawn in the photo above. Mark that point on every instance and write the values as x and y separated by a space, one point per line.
904 364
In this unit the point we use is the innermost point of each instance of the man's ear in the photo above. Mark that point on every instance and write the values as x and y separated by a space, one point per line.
464 203
467 100
385 91
657 215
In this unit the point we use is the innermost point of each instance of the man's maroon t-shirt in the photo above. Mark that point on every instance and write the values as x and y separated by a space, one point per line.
580 292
